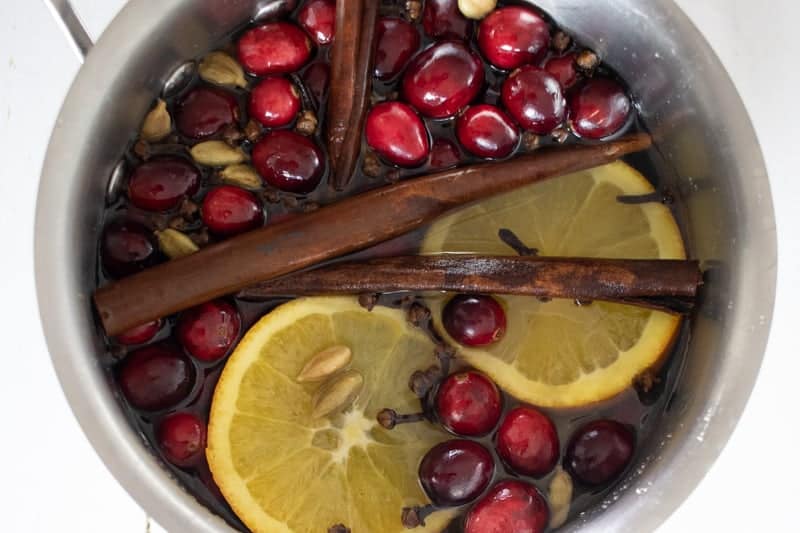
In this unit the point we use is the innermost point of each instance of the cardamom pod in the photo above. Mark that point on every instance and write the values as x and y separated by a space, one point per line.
338 394
325 364
157 124
175 244
560 498
476 9
217 154
222 69
244 176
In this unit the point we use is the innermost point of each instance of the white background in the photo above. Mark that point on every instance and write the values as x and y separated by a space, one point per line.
51 480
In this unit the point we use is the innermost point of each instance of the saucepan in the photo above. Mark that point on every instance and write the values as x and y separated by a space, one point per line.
687 100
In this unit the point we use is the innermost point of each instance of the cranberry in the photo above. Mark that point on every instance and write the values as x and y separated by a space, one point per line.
160 184
468 404
397 42
128 247
535 99
599 109
563 69
444 79
474 320
486 131
274 48
456 472
289 161
206 111
599 452
527 441
209 330
509 507
317 77
443 20
274 102
513 36
140 334
444 154
156 377
318 18
228 210
397 134
182 439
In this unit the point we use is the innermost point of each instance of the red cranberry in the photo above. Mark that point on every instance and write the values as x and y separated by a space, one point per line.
563 69
444 154
209 330
160 184
527 441
510 507
599 452
128 247
318 18
456 472
513 36
317 77
274 102
274 48
205 112
397 134
444 79
474 320
289 162
156 377
486 131
468 404
182 439
140 334
228 210
599 108
397 42
535 99
443 20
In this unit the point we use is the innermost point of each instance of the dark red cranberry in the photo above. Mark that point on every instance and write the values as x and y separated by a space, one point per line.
528 442
289 162
474 320
274 48
397 42
206 111
397 134
156 377
274 102
535 99
228 210
209 330
162 183
563 69
317 77
443 20
140 334
513 36
444 79
456 472
509 507
181 438
486 131
444 154
318 18
598 109
599 452
128 247
468 404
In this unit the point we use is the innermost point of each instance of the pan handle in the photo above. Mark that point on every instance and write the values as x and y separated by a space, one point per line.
72 26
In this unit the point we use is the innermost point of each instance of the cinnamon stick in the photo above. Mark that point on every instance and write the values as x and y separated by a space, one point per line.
352 59
335 230
669 285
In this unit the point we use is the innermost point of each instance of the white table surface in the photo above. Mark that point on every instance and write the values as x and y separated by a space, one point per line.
51 480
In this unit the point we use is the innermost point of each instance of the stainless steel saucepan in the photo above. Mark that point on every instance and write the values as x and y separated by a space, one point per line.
687 100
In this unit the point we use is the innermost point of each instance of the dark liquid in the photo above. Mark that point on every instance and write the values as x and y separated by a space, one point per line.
641 412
